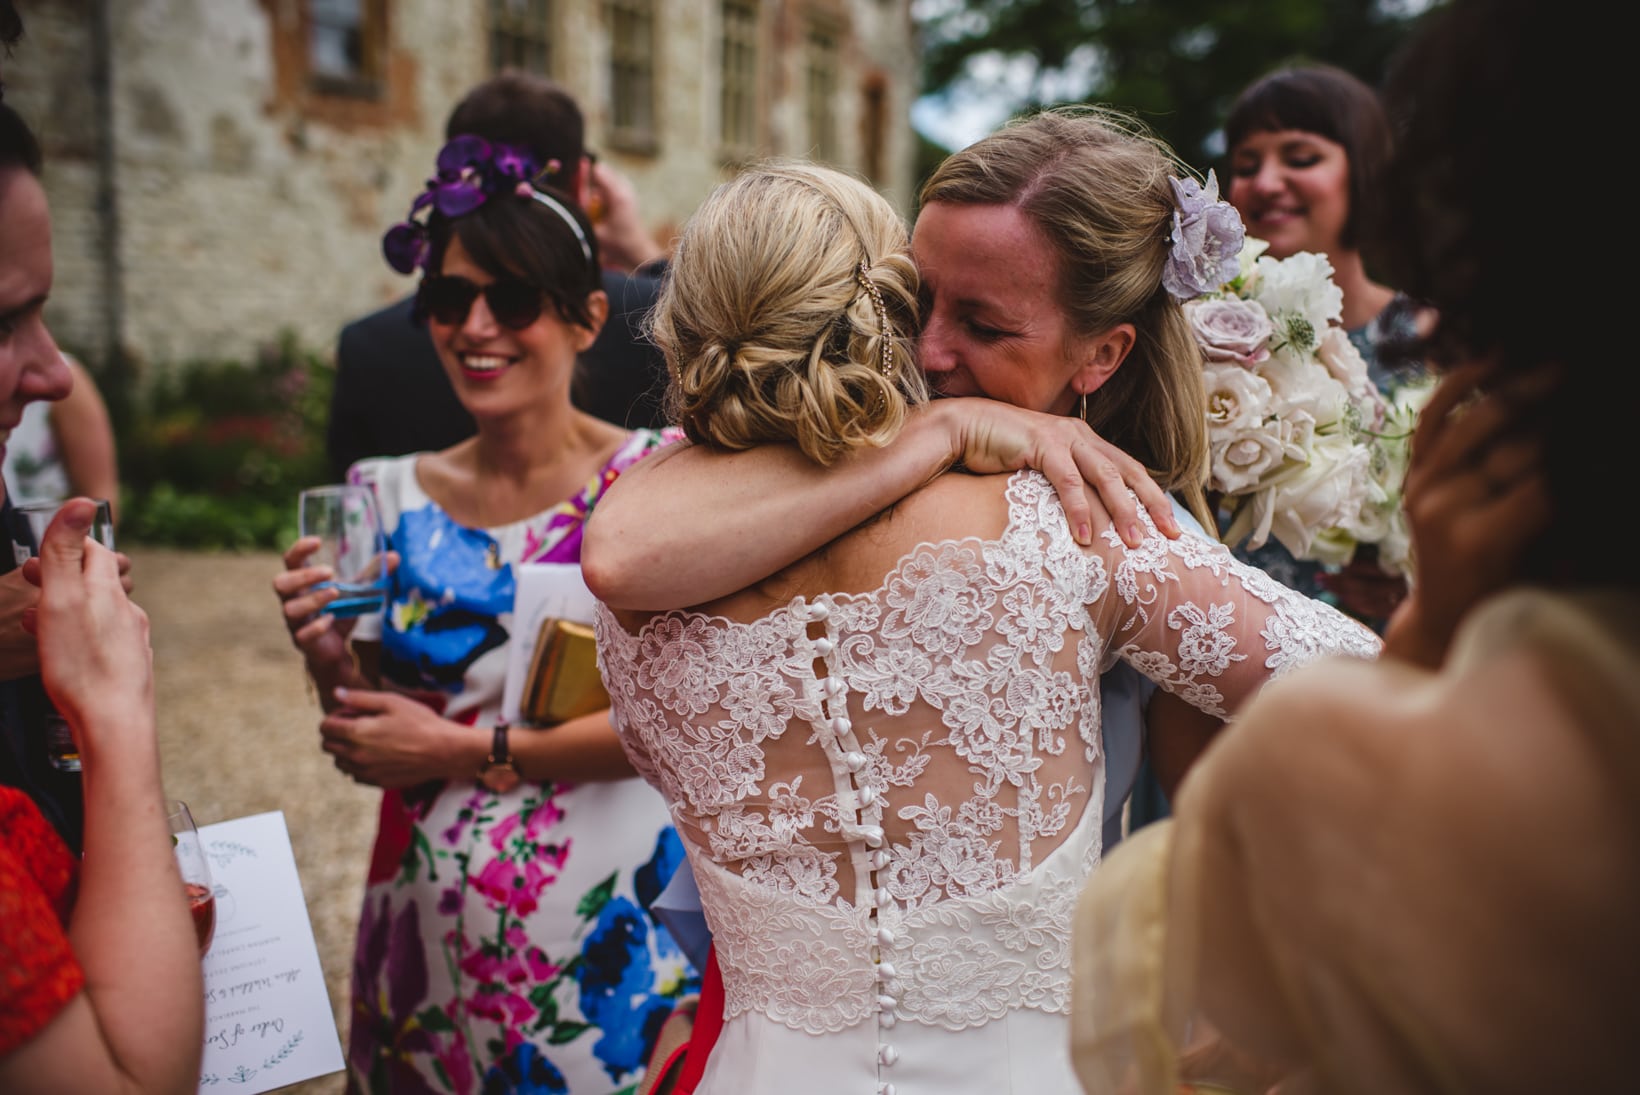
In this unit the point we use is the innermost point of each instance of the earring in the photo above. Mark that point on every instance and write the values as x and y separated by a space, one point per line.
1082 406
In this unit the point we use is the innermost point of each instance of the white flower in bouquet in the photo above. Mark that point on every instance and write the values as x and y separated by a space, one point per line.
1383 519
1245 460
1299 294
1346 365
1325 495
1237 398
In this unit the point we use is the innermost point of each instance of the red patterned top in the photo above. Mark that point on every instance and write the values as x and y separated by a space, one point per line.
38 971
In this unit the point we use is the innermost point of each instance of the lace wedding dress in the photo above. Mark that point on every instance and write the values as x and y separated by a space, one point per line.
892 799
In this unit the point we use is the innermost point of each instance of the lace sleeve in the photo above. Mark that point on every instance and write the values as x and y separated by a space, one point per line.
1201 623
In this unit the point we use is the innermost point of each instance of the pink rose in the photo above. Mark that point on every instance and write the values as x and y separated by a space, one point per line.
1229 329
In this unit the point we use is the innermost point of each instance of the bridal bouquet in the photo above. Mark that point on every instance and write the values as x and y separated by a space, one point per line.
1304 447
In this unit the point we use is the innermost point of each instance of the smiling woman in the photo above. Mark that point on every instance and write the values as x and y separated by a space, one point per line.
505 938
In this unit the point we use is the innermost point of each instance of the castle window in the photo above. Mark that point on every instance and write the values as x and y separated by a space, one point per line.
738 104
821 67
521 35
632 74
347 46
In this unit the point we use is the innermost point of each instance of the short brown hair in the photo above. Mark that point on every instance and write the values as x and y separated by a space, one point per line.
1331 103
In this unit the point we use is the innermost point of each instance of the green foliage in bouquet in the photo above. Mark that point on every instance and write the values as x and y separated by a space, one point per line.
214 452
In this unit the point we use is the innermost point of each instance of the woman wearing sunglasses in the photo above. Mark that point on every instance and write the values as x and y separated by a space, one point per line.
505 941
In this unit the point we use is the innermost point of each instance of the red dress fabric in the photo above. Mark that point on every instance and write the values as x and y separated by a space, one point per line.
708 1024
39 974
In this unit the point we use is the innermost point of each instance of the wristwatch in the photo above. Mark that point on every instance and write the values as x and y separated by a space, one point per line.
500 773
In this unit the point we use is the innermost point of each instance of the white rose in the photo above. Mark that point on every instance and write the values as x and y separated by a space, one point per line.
1229 329
1244 458
1300 385
1338 353
1236 398
1327 493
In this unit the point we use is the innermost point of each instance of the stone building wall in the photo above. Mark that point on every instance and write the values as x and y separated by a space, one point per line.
246 203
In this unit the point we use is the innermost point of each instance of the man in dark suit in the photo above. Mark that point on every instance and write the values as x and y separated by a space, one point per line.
391 394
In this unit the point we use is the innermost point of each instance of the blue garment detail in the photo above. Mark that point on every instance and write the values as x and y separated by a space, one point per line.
525 1072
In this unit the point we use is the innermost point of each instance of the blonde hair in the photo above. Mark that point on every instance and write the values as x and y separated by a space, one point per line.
1094 181
769 324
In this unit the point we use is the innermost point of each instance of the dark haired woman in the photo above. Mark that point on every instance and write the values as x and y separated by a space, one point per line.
505 940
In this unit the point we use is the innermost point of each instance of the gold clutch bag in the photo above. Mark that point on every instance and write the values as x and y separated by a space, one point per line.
563 680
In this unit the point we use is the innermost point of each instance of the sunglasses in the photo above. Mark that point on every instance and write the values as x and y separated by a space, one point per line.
448 298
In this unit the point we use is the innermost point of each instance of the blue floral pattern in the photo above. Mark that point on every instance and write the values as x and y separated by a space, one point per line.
507 943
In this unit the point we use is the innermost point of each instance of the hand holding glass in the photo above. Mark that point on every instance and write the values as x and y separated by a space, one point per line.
196 870
60 747
351 542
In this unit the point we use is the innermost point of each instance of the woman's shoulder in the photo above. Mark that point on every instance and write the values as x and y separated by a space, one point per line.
392 478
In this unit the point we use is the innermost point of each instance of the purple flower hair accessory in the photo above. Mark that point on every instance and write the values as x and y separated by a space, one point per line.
1207 238
470 171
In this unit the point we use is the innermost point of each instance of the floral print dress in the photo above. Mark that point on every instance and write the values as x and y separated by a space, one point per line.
506 942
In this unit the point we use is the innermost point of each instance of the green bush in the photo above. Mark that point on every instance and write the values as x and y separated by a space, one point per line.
214 453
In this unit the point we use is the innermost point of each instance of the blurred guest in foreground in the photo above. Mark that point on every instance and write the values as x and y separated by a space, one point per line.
1439 893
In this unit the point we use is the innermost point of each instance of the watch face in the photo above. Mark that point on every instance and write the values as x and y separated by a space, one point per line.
500 778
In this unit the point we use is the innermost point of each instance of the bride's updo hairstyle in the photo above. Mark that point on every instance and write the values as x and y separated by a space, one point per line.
788 314
1096 184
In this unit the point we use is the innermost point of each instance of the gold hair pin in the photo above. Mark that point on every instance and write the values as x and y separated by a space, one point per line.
863 276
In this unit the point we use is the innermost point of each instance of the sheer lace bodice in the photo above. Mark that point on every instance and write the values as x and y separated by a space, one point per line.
891 798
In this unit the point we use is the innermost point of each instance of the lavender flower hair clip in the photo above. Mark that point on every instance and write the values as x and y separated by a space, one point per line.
470 172
1207 237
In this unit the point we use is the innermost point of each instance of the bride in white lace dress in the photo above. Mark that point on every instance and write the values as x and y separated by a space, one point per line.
885 761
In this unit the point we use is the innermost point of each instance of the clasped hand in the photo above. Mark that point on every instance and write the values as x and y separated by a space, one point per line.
388 740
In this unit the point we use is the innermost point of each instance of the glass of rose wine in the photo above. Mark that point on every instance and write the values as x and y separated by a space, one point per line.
196 871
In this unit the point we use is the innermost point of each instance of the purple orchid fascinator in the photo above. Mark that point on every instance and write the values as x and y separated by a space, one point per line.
1207 237
470 171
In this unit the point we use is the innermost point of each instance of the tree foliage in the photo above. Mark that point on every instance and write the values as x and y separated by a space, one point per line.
1177 63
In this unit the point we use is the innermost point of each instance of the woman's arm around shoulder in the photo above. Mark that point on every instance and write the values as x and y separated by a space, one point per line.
689 525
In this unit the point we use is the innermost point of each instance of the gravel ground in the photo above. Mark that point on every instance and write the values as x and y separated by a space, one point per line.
238 735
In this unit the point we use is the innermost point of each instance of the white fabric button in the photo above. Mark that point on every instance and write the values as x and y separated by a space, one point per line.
886 1020
822 646
854 760
872 835
834 686
884 936
885 971
841 725
883 896
879 860
885 1089
887 1054
867 796
886 1002
819 610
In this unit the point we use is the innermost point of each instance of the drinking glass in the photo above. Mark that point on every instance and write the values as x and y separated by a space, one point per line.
60 747
196 870
351 542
